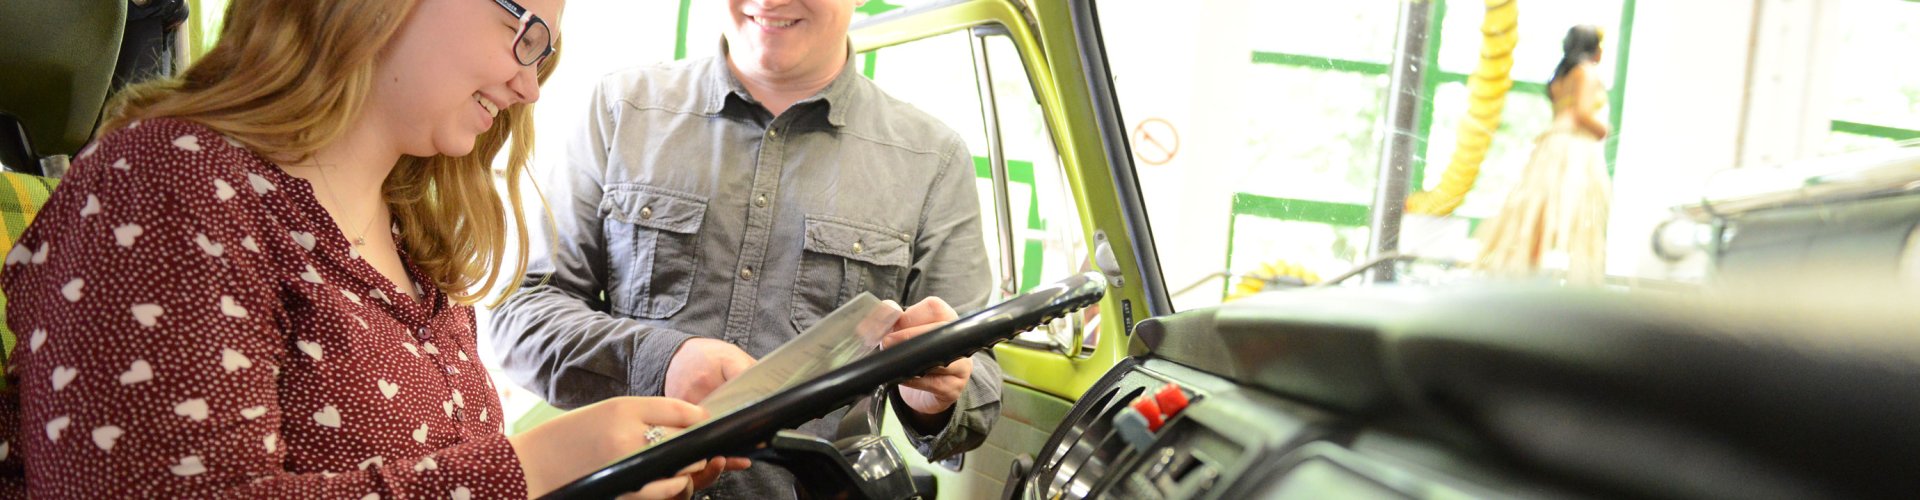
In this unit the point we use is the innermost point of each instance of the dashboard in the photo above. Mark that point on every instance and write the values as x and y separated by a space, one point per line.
1230 442
1500 393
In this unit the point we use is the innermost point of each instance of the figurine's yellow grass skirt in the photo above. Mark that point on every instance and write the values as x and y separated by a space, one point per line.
1556 218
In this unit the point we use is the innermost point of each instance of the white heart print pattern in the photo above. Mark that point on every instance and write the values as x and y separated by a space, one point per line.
203 320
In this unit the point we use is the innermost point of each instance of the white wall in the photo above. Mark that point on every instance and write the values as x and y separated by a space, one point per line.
1714 85
1790 94
1686 76
1192 76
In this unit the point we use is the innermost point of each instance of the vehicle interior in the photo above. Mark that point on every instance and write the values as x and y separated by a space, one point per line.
59 62
1234 244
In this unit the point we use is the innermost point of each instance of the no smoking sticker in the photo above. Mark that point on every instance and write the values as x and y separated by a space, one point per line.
1155 142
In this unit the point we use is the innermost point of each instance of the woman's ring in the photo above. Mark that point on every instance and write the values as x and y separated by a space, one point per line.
655 434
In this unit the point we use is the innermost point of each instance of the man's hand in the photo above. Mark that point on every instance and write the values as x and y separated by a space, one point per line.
935 392
693 478
701 365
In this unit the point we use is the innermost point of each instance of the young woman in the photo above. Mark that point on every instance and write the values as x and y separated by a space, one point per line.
1557 216
259 282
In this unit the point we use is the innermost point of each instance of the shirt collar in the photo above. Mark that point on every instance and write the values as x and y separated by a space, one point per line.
837 97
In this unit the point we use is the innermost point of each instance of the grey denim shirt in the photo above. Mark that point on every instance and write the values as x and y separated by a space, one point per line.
685 209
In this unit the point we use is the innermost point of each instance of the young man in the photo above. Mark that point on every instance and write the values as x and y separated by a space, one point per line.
712 209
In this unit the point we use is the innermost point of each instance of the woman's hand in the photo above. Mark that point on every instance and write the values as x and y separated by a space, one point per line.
585 440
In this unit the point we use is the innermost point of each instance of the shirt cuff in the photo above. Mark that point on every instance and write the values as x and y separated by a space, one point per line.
967 423
647 371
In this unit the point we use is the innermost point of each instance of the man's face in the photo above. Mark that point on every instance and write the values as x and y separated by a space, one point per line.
788 38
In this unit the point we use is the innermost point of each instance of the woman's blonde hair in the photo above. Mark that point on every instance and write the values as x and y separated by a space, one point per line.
288 76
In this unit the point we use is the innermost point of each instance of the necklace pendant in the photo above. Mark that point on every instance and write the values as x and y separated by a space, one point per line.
360 242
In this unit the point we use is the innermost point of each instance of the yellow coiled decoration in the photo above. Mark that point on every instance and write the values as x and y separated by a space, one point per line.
1488 85
1272 272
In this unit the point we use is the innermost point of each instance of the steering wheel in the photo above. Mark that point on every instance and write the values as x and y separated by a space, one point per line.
744 430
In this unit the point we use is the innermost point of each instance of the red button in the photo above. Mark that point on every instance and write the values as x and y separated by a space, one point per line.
1171 400
1150 410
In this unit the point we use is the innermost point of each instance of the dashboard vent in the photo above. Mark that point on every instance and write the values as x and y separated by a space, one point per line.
1090 445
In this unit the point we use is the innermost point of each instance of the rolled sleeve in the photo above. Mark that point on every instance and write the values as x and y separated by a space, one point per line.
972 419
951 263
950 258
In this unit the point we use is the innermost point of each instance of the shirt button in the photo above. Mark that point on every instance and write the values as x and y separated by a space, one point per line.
746 273
646 212
760 201
856 247
773 133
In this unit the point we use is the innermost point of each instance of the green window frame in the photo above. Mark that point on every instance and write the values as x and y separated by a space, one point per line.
1896 134
1423 124
1355 215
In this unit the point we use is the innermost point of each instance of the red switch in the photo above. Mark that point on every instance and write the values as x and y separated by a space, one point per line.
1151 410
1171 400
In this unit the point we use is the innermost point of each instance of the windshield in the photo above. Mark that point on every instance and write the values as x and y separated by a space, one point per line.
1260 130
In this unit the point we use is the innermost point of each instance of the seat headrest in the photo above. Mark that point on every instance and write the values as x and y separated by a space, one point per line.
56 65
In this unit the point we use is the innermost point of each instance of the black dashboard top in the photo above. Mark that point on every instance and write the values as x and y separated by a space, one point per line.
1644 394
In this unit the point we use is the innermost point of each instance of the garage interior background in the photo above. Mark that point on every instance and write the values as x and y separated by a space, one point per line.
1278 108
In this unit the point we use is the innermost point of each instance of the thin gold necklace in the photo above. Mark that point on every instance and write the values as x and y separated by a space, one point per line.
359 240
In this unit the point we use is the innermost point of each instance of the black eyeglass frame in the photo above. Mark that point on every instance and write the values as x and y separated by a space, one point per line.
527 22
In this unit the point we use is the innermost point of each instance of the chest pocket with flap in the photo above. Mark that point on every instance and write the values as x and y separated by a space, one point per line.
843 258
653 239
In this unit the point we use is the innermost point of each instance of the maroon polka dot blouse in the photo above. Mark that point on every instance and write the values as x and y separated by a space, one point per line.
192 324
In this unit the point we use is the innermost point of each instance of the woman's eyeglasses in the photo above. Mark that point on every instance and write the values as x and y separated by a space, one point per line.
535 40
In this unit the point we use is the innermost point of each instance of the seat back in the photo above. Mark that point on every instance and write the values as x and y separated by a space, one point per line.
56 64
21 197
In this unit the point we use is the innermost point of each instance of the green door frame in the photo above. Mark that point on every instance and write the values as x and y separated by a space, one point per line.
1048 46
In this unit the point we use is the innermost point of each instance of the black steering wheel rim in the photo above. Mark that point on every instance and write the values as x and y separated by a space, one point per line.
740 432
